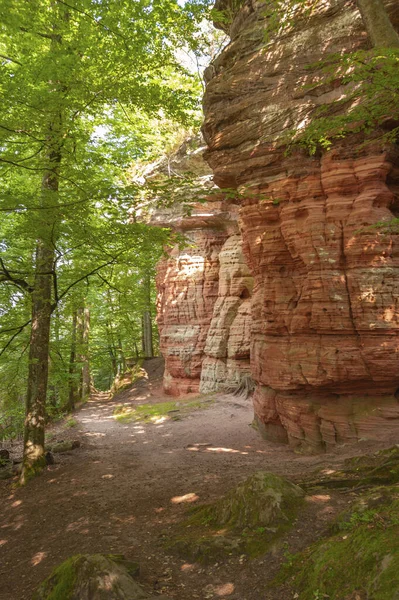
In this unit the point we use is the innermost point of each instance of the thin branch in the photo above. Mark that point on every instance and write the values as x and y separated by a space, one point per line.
82 12
19 208
108 283
55 285
5 275
14 328
17 164
23 132
11 59
85 276
12 338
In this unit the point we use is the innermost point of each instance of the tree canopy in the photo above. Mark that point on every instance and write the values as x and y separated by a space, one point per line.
84 87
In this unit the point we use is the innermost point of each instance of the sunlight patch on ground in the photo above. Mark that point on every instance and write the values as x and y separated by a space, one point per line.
209 448
225 590
78 525
186 498
318 498
158 413
37 558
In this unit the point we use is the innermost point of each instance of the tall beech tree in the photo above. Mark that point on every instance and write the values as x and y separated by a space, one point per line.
64 65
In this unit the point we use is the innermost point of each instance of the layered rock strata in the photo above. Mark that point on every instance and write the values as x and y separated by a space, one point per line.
204 286
324 329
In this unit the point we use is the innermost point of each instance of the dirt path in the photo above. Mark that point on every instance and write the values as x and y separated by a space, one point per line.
123 490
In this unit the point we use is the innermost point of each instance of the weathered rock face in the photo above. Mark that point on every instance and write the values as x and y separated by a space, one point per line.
203 297
228 341
324 331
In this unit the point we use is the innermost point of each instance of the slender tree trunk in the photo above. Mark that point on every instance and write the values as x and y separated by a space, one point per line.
121 356
34 455
73 387
114 362
85 355
83 333
148 347
111 349
378 24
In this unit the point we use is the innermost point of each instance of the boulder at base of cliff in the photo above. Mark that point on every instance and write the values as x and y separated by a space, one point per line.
94 577
249 519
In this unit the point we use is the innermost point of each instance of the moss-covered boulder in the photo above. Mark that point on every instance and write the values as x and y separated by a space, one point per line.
359 560
380 468
248 520
93 577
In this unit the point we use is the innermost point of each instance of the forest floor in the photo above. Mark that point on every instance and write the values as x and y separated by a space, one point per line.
130 483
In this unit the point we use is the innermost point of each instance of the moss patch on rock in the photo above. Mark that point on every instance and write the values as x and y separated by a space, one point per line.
361 557
248 520
380 468
93 577
60 584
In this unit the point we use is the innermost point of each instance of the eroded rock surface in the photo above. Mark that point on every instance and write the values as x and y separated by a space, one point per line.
324 328
204 287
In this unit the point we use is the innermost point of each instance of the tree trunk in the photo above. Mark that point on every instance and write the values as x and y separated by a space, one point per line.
34 457
73 387
83 332
121 356
111 349
378 24
148 347
85 355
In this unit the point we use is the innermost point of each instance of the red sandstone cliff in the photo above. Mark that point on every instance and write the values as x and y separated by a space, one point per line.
325 319
204 285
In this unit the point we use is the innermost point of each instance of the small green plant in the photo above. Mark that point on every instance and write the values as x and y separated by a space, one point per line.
289 556
71 422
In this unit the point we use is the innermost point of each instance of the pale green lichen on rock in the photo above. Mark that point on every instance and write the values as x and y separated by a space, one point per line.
249 519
